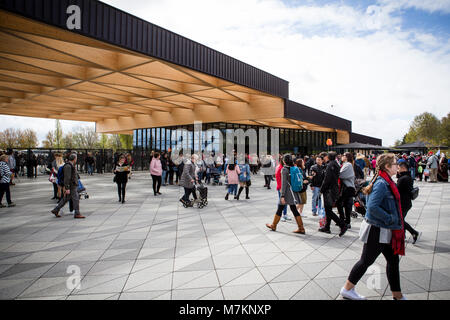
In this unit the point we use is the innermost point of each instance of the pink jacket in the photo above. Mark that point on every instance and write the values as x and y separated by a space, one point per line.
233 175
278 176
156 167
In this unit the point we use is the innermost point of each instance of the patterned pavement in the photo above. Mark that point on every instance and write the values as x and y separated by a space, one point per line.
153 248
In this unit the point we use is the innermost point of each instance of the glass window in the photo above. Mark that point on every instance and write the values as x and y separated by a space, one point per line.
158 139
153 138
163 139
139 142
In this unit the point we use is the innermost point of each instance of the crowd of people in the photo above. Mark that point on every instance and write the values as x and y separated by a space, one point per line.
334 179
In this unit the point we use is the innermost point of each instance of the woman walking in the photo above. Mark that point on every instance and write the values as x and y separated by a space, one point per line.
232 172
188 179
58 162
5 175
288 197
278 180
300 164
121 171
244 179
347 188
382 229
156 172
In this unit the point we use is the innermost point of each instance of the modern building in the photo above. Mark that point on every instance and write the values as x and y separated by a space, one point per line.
85 60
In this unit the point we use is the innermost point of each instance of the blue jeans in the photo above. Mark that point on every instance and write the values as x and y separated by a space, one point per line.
285 207
316 200
232 189
90 168
163 177
413 172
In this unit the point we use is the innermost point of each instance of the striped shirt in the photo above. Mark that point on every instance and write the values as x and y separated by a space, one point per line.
5 173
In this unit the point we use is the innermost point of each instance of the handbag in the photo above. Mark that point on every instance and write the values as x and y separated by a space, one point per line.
52 178
426 172
115 179
414 193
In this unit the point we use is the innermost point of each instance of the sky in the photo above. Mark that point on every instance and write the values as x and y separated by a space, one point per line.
377 63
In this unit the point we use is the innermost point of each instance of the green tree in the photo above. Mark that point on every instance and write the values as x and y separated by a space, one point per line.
127 141
49 141
425 127
28 139
104 141
69 142
445 130
10 138
58 135
115 142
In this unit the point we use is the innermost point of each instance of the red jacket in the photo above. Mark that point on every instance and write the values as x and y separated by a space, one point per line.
278 176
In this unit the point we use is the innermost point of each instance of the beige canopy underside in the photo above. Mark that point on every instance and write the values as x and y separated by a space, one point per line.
48 72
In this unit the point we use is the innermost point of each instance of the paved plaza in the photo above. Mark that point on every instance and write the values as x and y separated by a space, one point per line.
153 248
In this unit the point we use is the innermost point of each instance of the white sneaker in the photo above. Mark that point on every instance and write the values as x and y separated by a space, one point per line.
402 298
283 219
351 294
287 218
303 215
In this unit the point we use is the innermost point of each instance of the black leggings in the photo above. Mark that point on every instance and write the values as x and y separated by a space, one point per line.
371 251
121 190
345 202
293 209
156 183
407 225
4 189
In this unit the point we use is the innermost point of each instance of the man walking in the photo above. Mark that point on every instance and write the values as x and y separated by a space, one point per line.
433 164
70 188
330 191
317 172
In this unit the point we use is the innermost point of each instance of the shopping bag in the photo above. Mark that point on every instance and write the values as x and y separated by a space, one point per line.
322 218
52 178
426 172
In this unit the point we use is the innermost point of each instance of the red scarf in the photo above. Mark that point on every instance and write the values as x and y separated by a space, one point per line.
398 236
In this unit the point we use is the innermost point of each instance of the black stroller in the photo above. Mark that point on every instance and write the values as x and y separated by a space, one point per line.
201 201
360 199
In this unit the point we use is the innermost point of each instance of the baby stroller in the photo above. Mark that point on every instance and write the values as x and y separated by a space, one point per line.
82 193
360 199
202 201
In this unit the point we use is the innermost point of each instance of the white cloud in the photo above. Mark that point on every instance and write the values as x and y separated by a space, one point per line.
361 61
431 6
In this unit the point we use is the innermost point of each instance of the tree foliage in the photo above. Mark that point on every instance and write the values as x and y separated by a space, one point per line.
17 138
428 128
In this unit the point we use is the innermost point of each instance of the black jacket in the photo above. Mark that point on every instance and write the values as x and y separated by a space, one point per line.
121 177
330 181
318 175
405 184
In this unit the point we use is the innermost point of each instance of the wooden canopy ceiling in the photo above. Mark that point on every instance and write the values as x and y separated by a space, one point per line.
48 72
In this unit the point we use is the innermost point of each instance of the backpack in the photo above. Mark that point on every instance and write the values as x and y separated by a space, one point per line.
296 179
60 175
420 169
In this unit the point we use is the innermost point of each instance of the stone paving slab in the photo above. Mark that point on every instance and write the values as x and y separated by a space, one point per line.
154 248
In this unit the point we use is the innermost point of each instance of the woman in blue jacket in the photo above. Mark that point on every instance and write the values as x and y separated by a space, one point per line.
382 230
244 179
